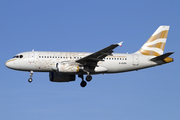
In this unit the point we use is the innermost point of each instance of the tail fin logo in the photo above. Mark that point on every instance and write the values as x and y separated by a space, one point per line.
156 43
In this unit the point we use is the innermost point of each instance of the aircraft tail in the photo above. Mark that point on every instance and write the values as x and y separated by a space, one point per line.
156 43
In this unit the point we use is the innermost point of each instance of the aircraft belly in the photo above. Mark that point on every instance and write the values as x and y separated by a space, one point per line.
100 69
115 66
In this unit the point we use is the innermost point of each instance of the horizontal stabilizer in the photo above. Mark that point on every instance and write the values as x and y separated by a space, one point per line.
162 57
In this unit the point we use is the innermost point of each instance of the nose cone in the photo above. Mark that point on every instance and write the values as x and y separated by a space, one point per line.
9 64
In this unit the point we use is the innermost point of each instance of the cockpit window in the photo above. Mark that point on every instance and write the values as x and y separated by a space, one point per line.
18 56
21 56
15 56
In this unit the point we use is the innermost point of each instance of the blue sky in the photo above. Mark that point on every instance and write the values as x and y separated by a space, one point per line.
88 26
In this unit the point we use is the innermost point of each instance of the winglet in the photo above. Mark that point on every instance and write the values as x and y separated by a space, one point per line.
120 44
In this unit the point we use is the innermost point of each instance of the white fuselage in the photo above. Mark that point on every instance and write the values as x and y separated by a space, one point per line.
46 61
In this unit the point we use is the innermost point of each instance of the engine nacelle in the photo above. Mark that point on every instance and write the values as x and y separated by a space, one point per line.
67 67
58 77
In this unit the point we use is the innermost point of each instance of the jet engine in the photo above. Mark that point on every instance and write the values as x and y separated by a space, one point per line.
59 77
67 67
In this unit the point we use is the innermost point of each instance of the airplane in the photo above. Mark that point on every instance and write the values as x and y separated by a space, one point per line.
64 66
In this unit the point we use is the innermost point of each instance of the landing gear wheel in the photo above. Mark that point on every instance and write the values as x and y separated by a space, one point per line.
88 78
83 83
30 80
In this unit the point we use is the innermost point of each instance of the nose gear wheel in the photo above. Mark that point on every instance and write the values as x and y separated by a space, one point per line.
30 79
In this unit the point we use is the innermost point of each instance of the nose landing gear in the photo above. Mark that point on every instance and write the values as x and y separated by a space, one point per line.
30 79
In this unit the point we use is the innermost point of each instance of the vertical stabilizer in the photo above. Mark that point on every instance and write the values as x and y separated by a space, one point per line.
156 43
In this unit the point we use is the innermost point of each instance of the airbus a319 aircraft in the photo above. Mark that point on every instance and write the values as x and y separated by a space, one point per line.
64 66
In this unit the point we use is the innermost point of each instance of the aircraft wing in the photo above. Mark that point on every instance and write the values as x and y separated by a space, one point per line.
93 58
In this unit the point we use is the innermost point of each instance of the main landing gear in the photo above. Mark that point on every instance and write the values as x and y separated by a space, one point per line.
30 79
88 78
83 82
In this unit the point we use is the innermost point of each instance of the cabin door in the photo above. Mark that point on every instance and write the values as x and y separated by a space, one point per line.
135 60
31 57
